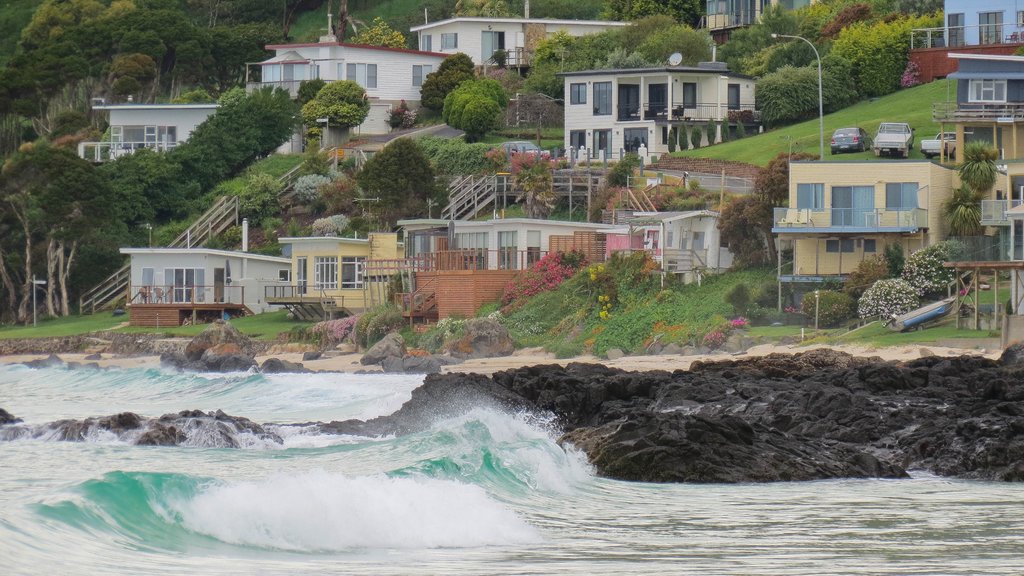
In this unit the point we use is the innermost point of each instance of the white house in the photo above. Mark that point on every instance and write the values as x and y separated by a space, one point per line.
686 243
155 126
480 37
389 75
615 111
169 286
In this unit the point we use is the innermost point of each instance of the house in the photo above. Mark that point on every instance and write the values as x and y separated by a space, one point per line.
843 212
994 27
609 112
479 38
389 75
330 276
723 16
158 127
455 266
173 286
684 243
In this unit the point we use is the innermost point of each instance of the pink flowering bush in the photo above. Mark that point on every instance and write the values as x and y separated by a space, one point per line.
332 332
911 75
547 274
714 340
740 322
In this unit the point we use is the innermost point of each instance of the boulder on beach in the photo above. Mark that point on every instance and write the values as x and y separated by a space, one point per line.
279 366
390 346
482 338
217 333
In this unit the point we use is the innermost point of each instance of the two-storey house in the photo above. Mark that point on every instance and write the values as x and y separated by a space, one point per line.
609 112
723 16
480 37
972 27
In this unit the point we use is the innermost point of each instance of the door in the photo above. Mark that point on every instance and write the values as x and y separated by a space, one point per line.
629 101
491 41
851 205
218 285
657 99
602 141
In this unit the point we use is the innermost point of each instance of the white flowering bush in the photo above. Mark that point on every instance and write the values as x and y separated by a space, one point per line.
329 226
307 187
923 269
888 298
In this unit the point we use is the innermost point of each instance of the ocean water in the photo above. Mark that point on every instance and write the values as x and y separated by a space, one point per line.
484 493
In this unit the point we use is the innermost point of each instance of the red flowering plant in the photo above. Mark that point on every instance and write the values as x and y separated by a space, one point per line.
545 275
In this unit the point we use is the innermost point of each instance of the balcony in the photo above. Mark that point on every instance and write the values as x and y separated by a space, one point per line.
956 36
292 86
99 152
993 212
733 19
832 220
971 112
701 112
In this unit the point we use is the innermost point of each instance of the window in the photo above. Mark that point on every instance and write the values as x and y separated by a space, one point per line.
364 74
698 240
733 91
473 249
987 91
810 196
419 73
870 245
901 195
602 98
284 275
689 94
449 41
577 139
990 27
325 272
352 271
955 23
532 247
184 284
852 205
425 42
603 140
835 246
633 138
300 274
578 93
491 42
464 240
508 243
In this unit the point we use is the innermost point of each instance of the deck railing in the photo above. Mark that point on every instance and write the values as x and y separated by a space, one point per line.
961 112
851 218
105 151
701 111
954 36
993 212
206 294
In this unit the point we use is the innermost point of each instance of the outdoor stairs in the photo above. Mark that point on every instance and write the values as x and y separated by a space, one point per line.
221 216
469 195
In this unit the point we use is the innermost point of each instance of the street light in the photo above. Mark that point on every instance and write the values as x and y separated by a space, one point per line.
821 104
326 120
35 283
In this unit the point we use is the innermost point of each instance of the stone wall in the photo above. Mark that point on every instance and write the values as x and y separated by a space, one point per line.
707 166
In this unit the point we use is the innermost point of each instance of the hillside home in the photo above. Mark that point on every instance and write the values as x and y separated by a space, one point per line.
330 276
479 38
723 16
610 112
684 243
843 212
172 286
389 75
158 127
994 27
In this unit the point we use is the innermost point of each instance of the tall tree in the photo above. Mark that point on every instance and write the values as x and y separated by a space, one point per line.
345 19
399 179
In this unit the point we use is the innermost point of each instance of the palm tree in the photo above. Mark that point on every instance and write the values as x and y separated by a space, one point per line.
344 21
977 176
963 212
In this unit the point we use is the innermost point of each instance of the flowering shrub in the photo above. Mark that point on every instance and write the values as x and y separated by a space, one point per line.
401 117
888 299
833 307
604 288
547 274
307 187
330 226
740 322
923 269
333 332
911 75
714 340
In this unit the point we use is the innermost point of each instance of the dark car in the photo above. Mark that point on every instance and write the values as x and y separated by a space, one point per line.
524 147
850 140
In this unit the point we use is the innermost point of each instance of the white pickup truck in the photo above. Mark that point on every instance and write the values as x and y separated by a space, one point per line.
932 148
894 138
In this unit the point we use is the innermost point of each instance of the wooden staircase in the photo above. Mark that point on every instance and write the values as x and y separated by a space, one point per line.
469 195
221 216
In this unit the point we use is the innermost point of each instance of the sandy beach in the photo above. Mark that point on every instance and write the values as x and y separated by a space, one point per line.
349 363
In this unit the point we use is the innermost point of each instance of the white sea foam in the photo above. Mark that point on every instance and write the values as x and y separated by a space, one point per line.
320 511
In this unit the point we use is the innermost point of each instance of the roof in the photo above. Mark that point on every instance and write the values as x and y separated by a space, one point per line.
517 21
993 75
287 57
664 69
130 106
327 239
359 46
208 252
527 221
1002 57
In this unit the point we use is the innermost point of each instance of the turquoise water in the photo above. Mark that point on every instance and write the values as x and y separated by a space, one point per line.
486 493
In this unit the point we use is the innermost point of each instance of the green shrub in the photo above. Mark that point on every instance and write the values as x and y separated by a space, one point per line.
739 298
870 270
924 271
672 137
894 259
833 308
376 323
258 198
695 137
878 52
456 156
683 133
623 169
888 298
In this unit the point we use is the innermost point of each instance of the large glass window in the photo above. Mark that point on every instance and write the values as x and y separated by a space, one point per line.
532 247
603 140
955 24
901 195
578 139
810 196
352 271
425 42
300 274
184 284
839 245
990 27
602 98
449 41
508 244
419 73
689 94
633 138
733 91
491 42
987 91
364 74
578 93
852 205
325 272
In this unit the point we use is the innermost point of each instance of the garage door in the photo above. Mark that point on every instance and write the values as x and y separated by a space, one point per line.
377 120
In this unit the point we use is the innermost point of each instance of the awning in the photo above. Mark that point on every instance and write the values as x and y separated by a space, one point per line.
289 57
987 75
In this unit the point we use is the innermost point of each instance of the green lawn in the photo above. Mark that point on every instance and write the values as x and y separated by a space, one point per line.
70 326
261 326
878 335
913 105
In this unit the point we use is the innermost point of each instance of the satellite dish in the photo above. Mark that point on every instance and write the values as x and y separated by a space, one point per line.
675 59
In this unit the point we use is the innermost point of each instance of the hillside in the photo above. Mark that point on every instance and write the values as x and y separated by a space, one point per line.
912 105
14 15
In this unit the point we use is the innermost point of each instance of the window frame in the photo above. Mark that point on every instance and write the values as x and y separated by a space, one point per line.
426 42
324 266
449 40
604 98
578 93
420 71
817 196
986 85
577 139
353 269
365 68
906 191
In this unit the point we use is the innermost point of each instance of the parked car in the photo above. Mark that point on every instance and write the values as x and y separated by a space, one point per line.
894 138
524 147
932 148
850 140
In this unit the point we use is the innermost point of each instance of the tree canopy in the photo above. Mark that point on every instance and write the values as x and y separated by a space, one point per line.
454 70
400 179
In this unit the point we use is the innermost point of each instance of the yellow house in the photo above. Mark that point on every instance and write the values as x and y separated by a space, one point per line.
329 275
843 212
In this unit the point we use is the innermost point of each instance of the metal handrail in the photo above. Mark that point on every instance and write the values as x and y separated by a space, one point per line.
191 294
957 111
106 151
1005 33
798 218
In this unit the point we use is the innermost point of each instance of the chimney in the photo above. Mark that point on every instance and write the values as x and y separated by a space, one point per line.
526 9
245 234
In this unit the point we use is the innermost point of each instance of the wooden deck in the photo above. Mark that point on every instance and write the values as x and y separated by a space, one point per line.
158 315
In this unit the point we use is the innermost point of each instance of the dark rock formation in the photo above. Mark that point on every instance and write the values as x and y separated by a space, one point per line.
482 338
278 366
226 358
51 361
391 346
820 414
218 332
7 418
411 365
314 355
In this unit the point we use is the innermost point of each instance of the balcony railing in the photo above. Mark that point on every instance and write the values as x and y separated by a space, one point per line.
993 212
969 111
474 259
187 295
660 111
852 219
106 151
955 36
730 19
292 86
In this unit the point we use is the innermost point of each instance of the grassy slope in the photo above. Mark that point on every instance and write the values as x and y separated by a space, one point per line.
263 326
912 105
14 16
